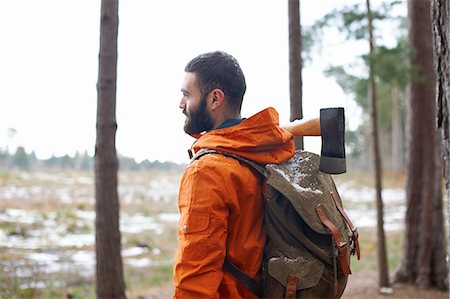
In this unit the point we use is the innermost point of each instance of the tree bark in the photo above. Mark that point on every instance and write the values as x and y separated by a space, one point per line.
109 269
440 10
397 136
423 261
295 65
383 275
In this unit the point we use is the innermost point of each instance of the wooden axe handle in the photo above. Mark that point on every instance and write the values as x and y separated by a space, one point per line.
310 127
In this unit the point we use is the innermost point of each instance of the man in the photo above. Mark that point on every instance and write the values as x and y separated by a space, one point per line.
220 200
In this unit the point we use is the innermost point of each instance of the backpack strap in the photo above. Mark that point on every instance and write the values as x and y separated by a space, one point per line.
206 151
291 287
353 230
254 286
337 237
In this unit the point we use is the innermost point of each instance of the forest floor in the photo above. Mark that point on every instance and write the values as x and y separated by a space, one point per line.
47 238
364 285
360 285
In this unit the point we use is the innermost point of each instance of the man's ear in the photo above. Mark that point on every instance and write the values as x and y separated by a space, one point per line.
217 98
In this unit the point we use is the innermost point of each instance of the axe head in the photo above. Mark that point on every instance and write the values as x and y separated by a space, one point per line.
332 130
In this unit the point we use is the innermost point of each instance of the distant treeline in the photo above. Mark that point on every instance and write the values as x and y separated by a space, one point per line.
81 161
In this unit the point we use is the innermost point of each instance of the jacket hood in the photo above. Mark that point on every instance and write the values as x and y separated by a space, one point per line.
258 138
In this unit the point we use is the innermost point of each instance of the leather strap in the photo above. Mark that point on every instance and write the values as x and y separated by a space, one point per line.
354 231
291 286
337 237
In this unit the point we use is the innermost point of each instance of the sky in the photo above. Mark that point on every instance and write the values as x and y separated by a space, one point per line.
49 68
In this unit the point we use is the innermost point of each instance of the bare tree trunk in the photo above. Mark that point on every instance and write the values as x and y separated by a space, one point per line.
423 262
295 65
441 43
109 270
397 136
383 275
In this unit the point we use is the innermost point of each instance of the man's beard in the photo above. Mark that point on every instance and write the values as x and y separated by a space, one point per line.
198 120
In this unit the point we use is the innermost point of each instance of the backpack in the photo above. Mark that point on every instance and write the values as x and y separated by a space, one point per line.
309 236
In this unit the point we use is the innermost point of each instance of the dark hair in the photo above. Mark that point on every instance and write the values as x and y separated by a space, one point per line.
219 70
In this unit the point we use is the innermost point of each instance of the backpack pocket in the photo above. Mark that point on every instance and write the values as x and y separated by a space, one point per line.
307 270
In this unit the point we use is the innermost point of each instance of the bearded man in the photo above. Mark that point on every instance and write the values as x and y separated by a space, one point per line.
220 199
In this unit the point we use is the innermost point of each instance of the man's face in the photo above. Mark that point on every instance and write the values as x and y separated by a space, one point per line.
194 106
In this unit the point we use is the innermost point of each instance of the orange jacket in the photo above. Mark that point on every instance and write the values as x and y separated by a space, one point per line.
222 210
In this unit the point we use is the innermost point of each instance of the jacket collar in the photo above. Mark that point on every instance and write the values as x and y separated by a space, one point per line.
229 123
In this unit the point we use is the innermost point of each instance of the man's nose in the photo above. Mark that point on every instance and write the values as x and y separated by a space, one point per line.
182 104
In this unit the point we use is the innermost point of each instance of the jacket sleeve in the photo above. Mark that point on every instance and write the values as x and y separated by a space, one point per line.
202 232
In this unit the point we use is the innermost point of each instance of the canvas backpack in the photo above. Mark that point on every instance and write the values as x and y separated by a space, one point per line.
310 237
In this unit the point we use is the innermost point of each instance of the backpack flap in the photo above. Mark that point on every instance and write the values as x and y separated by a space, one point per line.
300 180
308 270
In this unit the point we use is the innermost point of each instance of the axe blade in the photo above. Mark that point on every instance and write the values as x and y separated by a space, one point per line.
332 127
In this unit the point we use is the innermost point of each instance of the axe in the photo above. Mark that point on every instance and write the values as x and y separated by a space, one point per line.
331 126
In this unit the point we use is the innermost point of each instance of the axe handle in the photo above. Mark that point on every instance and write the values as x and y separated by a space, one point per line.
310 127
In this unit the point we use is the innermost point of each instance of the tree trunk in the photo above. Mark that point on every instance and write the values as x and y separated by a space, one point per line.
397 136
423 261
441 43
383 275
109 270
295 65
